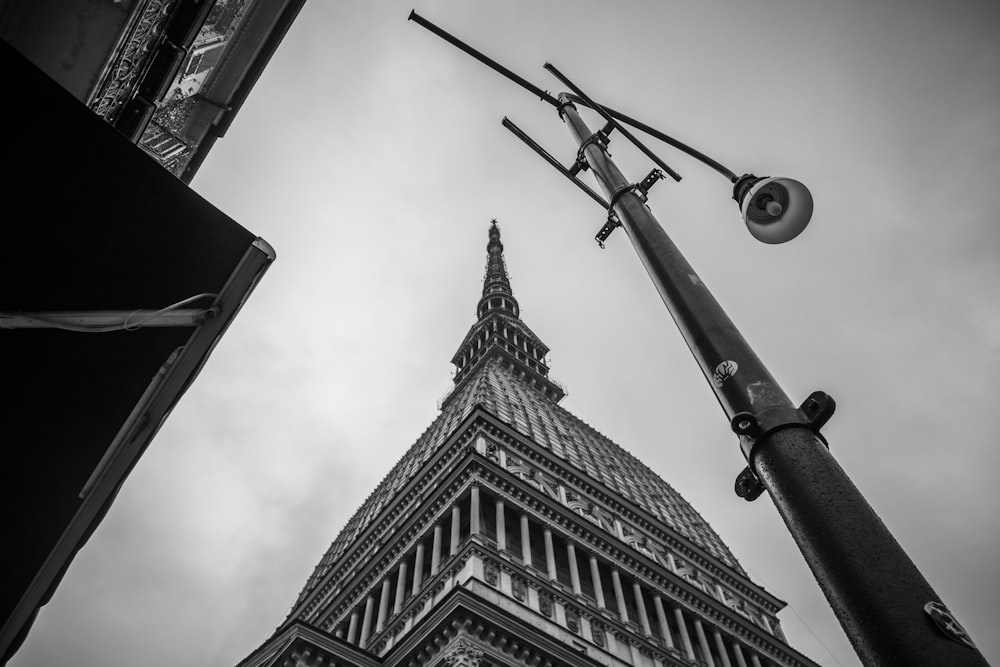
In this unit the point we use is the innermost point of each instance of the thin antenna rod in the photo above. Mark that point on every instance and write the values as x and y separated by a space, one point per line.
519 133
610 119
544 95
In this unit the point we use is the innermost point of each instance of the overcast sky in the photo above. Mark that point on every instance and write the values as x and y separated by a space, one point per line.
370 154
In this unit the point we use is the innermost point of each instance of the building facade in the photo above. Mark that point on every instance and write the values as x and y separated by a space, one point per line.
168 74
512 533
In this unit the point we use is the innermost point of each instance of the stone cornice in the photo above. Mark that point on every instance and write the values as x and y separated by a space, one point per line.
408 498
621 506
357 584
557 593
306 646
500 634
630 562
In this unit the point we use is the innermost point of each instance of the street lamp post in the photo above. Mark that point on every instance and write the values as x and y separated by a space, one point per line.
889 612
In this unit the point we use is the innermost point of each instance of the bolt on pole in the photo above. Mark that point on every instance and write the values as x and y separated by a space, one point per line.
890 613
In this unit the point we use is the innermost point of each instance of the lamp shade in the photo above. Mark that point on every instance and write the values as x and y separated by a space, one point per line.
776 209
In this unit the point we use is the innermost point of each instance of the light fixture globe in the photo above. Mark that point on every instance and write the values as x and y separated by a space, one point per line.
774 209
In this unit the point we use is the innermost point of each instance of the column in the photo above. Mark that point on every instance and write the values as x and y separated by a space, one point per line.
400 588
574 569
685 637
661 620
436 550
366 624
525 541
616 583
456 528
640 603
721 647
352 629
738 652
699 631
595 575
550 555
383 605
339 632
754 660
501 527
418 569
474 510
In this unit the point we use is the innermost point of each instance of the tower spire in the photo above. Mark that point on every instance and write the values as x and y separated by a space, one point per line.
496 284
499 334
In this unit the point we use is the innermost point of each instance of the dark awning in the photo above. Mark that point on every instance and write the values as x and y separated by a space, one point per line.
97 236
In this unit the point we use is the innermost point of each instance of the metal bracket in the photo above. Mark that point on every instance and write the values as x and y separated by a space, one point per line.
613 221
814 412
600 138
747 486
609 226
641 189
651 178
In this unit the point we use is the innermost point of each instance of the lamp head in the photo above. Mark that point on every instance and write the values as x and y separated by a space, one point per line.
775 210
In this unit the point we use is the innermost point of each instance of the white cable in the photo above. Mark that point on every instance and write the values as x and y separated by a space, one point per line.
124 326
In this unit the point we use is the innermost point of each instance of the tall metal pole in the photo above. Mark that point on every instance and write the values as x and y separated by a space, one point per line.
888 610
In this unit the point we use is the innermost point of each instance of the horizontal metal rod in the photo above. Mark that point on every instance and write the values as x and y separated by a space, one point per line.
544 95
611 121
106 320
519 133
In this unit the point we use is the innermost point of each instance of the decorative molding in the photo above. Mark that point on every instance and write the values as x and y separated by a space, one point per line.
545 605
384 530
610 523
693 599
518 588
133 54
597 633
491 574
462 653
572 620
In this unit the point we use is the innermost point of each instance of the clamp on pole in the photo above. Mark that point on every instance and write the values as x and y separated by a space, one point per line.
609 226
651 178
600 138
751 428
641 189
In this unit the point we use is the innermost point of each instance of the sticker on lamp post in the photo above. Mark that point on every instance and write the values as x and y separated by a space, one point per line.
948 624
724 371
